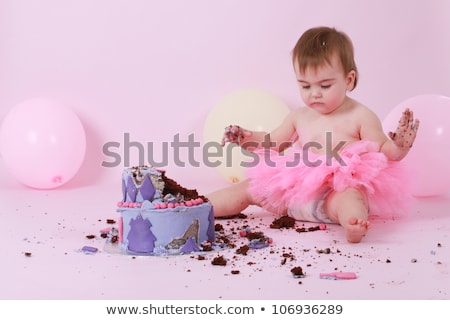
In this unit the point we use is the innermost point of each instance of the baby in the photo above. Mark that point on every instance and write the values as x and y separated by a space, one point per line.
329 161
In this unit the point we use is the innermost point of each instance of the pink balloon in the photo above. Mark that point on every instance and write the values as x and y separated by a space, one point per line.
430 154
42 143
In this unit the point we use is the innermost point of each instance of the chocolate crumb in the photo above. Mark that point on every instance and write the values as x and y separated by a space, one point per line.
27 254
201 258
206 247
388 261
303 229
283 222
235 271
90 236
297 272
255 235
110 221
234 216
243 250
219 261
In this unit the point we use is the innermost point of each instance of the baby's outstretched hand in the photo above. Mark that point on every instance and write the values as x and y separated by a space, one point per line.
406 131
235 134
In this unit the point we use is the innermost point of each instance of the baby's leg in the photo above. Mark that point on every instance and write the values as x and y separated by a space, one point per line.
230 200
349 208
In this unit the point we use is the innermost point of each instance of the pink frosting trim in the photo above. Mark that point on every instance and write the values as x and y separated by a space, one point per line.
189 203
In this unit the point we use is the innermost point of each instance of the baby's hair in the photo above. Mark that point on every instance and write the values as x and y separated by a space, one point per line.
317 46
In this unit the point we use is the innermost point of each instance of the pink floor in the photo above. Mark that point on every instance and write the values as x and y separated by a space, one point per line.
402 259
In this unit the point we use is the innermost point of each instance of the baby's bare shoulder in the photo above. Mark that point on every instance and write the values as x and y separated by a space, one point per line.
364 113
298 114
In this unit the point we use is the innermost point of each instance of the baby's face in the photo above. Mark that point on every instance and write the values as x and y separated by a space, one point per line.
325 88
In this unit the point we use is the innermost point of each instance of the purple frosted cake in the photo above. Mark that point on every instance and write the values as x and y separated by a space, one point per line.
160 217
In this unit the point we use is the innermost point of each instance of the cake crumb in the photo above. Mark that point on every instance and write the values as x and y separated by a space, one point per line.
219 261
297 272
243 250
283 222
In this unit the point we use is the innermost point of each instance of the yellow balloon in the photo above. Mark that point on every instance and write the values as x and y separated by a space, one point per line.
252 109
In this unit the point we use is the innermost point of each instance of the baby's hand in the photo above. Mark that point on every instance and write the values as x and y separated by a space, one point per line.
406 131
234 134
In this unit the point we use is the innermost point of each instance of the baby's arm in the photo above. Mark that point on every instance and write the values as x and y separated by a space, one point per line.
235 134
400 142
406 131
247 139
250 140
403 138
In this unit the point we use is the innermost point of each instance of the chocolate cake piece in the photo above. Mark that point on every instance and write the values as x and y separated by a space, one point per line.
174 188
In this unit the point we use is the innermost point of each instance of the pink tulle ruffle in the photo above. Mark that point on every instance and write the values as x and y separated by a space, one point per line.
282 181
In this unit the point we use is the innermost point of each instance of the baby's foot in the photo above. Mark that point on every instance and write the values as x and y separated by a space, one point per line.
356 229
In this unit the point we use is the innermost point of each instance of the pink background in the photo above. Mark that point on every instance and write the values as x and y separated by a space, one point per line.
156 68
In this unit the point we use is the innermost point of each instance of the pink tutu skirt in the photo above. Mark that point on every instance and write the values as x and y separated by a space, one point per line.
279 182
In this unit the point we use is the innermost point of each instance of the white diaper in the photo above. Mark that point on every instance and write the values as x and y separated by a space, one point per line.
314 211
